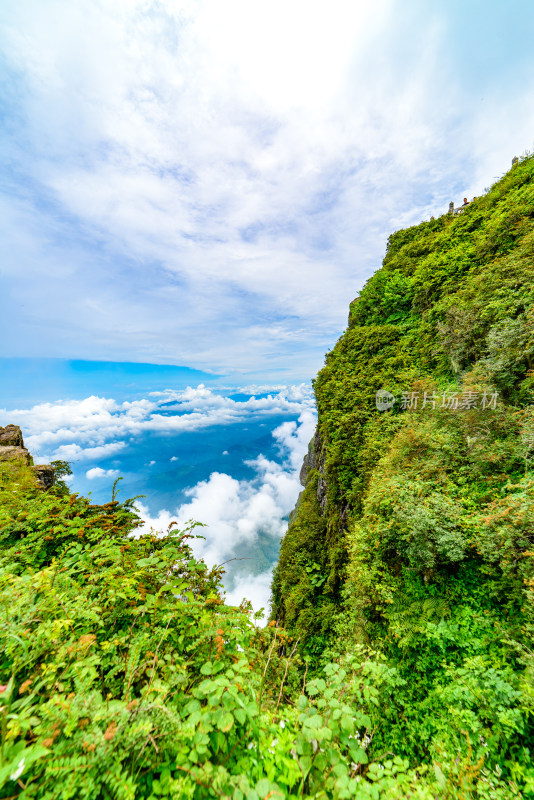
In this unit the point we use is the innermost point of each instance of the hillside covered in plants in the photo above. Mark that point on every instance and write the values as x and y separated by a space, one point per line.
414 535
123 674
398 662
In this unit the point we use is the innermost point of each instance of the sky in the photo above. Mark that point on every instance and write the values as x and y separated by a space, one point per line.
209 184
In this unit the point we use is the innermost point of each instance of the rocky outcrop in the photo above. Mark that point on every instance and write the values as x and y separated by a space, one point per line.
12 445
12 450
11 435
13 453
314 460
45 475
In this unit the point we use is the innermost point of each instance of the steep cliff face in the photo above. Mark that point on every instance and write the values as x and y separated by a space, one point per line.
413 494
414 535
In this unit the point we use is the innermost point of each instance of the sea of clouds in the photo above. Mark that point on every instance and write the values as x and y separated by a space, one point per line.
235 512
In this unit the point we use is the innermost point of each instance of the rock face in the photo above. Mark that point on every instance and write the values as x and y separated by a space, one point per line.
11 435
12 445
314 459
45 475
12 449
10 453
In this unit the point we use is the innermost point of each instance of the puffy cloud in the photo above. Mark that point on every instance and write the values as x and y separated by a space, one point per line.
73 452
255 588
177 169
98 472
81 429
237 513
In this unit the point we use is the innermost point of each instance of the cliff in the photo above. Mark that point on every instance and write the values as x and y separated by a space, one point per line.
414 533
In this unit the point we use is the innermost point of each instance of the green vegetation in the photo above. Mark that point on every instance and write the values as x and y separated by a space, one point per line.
421 520
124 675
399 662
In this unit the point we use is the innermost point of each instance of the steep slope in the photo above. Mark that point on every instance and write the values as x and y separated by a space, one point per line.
124 675
415 530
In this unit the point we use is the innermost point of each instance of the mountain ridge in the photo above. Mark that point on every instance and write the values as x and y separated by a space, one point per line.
422 514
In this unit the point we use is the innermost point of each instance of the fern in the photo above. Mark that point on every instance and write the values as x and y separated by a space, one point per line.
409 617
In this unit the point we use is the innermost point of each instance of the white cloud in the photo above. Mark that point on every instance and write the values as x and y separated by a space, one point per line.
82 429
255 588
231 166
236 512
73 452
98 472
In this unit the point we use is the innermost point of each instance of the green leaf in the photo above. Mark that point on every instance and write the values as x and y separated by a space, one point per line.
440 777
21 758
305 763
263 787
347 723
302 702
358 755
226 721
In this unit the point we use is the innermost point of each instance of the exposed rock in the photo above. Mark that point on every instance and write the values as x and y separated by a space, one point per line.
12 449
306 468
45 475
13 453
312 459
321 492
11 435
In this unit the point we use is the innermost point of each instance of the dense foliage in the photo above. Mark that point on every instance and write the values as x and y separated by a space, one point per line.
124 675
415 532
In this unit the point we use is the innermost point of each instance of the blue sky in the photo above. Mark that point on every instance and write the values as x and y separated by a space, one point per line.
209 184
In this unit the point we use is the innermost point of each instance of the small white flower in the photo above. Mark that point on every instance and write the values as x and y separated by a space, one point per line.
250 745
282 723
274 742
18 772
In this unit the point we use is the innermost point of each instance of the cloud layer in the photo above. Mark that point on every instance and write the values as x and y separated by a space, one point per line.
210 183
237 513
95 427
